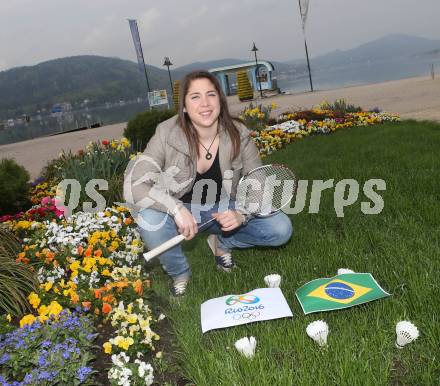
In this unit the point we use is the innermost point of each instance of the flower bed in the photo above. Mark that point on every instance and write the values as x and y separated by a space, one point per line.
294 126
89 262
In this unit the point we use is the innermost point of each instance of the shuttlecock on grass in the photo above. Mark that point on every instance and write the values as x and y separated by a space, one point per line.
272 281
318 331
341 271
406 332
246 346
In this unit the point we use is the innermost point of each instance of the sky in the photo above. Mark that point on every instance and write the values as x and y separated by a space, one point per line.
200 30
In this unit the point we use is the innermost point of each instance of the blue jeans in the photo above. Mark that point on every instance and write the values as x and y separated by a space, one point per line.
274 230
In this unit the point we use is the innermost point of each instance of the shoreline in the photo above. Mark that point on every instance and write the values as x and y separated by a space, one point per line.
411 98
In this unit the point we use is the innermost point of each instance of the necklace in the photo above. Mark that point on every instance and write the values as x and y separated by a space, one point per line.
208 155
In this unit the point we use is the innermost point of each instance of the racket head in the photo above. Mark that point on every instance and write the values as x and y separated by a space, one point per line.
265 190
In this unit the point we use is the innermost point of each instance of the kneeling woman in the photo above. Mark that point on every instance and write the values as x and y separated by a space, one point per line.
202 147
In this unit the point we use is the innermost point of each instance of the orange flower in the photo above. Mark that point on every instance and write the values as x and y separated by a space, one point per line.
49 256
97 293
80 250
121 284
21 258
128 221
87 305
74 297
137 285
98 253
106 308
108 298
88 252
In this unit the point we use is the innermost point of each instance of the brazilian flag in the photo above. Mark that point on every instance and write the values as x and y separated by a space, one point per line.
342 291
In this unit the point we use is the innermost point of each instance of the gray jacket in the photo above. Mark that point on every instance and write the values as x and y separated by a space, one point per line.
165 171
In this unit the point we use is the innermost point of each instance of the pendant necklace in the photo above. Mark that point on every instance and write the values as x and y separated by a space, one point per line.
208 155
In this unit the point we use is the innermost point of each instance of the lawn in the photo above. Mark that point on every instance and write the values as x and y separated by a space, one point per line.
399 246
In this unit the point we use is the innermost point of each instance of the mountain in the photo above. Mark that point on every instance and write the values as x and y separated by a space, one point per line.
24 90
389 47
209 64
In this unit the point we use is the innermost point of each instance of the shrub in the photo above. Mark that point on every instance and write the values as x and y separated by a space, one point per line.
176 94
142 127
245 90
14 187
17 280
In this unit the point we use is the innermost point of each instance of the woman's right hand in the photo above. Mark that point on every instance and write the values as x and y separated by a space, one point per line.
186 223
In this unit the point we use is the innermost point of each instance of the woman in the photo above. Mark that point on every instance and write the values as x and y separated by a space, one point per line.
189 173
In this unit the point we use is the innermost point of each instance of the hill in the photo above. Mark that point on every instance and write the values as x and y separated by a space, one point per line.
24 90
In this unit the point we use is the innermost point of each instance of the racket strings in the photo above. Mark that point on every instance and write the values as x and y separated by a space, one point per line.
266 190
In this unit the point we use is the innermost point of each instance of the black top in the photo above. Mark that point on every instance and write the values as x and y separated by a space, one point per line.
214 174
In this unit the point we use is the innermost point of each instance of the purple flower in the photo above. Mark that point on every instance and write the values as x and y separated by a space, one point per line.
83 372
28 379
4 359
45 375
42 361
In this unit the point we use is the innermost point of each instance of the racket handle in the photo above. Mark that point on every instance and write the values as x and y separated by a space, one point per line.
164 247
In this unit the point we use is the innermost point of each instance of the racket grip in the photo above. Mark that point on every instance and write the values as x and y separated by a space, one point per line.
164 247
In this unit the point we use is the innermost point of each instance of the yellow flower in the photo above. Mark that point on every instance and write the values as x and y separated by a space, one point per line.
74 266
126 343
132 319
107 347
106 272
9 318
27 320
47 286
34 299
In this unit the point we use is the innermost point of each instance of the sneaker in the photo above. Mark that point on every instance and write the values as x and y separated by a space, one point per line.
179 286
225 261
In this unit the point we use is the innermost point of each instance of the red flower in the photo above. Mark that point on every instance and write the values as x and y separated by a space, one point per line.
105 142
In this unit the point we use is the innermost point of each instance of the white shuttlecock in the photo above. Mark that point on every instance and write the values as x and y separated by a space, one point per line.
272 281
318 331
406 332
246 346
341 271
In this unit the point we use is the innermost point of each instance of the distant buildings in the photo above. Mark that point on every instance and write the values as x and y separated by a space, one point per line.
60 108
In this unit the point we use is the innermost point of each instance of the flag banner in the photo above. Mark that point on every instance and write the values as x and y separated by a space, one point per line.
234 310
137 43
303 10
342 291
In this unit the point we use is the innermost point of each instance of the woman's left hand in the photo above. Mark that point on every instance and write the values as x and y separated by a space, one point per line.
229 220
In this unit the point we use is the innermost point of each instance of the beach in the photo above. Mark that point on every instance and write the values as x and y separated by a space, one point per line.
412 98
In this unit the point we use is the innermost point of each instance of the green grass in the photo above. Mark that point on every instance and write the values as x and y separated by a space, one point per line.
400 247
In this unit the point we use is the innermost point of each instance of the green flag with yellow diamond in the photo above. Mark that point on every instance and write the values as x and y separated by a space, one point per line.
342 291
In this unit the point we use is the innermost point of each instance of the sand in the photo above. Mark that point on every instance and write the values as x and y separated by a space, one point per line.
416 98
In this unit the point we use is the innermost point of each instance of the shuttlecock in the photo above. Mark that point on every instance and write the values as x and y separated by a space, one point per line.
406 332
318 331
272 281
246 346
341 271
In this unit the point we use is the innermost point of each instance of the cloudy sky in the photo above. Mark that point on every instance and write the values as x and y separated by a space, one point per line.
197 30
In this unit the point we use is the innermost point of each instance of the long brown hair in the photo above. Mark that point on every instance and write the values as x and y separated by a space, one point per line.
224 119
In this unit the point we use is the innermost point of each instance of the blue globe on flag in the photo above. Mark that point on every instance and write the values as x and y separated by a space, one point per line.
339 291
